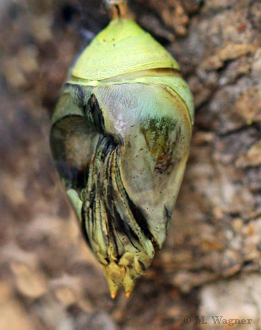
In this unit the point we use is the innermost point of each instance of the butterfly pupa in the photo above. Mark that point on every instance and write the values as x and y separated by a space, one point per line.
120 139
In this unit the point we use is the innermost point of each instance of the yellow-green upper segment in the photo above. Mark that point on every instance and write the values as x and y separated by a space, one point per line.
122 47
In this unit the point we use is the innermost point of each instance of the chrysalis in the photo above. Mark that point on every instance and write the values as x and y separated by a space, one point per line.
120 139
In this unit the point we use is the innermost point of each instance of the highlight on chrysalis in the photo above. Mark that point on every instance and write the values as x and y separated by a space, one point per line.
120 139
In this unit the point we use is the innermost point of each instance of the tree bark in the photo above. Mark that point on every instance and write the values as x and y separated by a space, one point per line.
210 264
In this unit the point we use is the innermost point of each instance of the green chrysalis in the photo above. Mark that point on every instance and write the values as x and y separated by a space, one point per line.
120 138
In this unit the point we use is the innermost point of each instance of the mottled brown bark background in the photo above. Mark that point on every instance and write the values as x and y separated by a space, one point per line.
210 265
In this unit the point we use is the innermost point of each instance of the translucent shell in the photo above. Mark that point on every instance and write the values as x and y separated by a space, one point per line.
120 139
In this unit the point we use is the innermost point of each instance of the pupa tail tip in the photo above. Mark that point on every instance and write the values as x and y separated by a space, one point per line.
128 293
113 294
